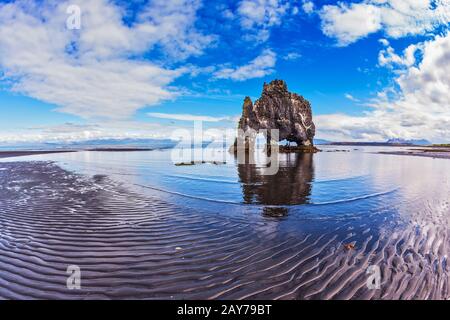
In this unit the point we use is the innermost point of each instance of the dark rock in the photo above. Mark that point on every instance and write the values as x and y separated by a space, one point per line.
291 185
301 149
277 108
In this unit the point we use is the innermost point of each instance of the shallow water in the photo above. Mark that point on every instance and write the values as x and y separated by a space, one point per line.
156 230
360 179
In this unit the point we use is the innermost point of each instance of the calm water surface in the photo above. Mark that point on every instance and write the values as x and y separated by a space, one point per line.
394 210
358 181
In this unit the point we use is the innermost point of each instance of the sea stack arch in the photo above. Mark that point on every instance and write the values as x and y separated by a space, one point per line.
277 108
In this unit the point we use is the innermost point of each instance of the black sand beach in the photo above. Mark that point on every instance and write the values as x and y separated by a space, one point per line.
133 246
11 154
430 152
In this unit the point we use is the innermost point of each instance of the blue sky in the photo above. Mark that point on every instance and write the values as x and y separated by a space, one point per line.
372 69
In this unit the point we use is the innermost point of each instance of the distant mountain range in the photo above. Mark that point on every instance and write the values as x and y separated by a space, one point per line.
94 144
144 143
390 142
318 142
419 142
167 143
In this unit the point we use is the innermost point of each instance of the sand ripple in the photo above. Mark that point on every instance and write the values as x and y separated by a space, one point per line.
133 246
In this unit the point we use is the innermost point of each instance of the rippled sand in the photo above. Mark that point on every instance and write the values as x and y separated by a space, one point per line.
133 246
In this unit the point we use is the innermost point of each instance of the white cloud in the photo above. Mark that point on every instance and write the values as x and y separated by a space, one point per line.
265 13
172 25
70 132
308 7
113 129
351 22
228 14
388 57
259 15
292 56
91 72
419 109
188 117
257 68
351 98
384 42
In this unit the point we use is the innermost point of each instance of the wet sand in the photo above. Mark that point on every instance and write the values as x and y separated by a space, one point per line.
21 153
131 246
11 154
119 149
431 152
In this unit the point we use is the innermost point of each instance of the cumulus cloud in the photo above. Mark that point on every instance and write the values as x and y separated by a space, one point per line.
349 22
93 71
308 7
419 109
172 25
258 16
387 57
257 68
265 13
384 42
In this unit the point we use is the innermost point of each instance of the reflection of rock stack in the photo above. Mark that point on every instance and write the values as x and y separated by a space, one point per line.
277 108
290 185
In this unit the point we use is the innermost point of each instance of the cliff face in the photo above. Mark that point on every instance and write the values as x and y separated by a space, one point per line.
277 108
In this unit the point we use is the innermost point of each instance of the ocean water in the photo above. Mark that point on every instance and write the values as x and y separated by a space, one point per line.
359 178
311 230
